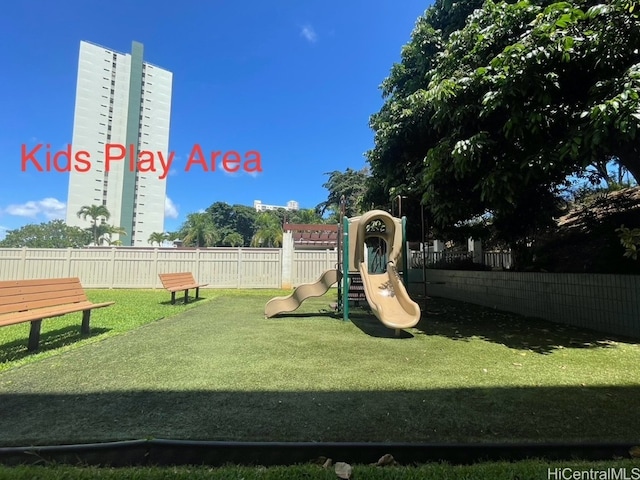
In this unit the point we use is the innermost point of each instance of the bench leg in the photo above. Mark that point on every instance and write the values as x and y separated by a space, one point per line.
86 315
34 335
173 298
186 296
197 292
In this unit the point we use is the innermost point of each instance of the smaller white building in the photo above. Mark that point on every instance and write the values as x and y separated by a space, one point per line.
292 205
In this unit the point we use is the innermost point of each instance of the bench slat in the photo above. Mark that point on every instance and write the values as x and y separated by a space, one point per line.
50 312
38 281
186 287
26 296
20 295
19 306
174 279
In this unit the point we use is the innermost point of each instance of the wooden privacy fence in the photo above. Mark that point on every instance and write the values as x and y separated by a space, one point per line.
139 267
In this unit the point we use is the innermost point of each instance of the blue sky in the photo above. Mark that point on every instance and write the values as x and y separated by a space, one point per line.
295 80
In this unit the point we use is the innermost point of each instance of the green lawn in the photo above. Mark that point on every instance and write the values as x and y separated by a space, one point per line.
221 371
132 309
527 470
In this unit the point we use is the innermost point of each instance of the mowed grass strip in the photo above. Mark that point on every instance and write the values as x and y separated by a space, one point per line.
223 372
132 309
526 470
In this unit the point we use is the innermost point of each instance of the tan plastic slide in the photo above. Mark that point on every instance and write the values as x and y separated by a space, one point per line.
301 293
388 298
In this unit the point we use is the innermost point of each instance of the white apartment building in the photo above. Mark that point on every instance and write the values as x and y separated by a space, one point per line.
261 207
120 100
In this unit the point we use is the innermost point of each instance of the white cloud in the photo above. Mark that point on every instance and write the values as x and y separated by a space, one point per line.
309 34
237 173
50 208
227 172
170 208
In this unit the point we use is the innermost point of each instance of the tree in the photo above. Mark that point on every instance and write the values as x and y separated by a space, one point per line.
268 231
95 213
630 240
492 118
157 237
245 218
233 219
105 233
308 216
233 239
352 184
199 230
54 234
172 236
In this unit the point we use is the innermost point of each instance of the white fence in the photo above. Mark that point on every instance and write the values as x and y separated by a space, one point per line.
308 265
495 260
139 268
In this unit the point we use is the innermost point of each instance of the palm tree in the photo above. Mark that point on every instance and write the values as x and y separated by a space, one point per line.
233 239
157 237
268 231
306 216
200 230
94 212
105 231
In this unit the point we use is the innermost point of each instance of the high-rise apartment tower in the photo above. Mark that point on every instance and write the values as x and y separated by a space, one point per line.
124 102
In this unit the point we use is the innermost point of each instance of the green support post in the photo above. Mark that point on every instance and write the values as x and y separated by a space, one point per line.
339 264
405 261
345 268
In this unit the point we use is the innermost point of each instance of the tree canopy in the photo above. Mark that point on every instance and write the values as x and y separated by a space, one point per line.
493 108
53 234
352 184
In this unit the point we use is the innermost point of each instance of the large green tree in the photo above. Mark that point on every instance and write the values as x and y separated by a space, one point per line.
199 231
352 184
490 117
268 231
230 220
53 234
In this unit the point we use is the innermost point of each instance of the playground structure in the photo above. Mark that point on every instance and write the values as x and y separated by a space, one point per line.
370 249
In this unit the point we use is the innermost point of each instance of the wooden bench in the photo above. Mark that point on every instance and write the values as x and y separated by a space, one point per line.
176 282
34 300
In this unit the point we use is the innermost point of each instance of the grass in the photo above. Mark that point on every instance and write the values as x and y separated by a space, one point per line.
133 308
527 470
223 372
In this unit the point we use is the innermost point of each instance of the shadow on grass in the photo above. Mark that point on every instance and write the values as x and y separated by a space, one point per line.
370 325
180 301
466 321
320 313
443 415
17 349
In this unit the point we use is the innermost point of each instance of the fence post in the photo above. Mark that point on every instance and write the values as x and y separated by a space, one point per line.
68 263
239 267
155 268
112 273
23 261
287 260
475 248
197 267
